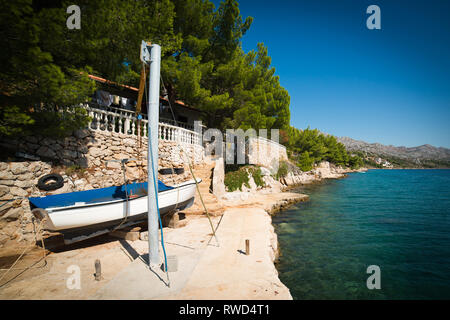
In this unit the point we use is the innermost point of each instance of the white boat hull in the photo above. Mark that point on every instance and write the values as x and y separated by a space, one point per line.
81 216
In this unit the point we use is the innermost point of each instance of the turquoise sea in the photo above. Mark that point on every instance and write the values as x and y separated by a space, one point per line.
398 220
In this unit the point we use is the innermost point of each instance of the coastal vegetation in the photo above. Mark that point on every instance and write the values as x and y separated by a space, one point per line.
45 67
240 176
310 146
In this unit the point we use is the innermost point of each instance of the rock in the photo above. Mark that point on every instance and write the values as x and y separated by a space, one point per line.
82 133
79 183
26 176
133 173
6 175
47 142
120 156
19 192
112 165
129 142
3 239
7 196
32 139
96 152
3 190
64 189
13 214
143 236
46 152
24 184
34 166
265 171
32 146
82 162
7 182
252 184
83 149
5 207
68 163
56 147
69 154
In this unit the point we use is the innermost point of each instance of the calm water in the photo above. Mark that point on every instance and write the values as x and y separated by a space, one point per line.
396 219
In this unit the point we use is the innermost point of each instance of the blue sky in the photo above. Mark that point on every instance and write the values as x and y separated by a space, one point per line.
390 86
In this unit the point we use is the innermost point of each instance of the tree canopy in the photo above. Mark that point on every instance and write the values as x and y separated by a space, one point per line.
45 64
44 67
310 146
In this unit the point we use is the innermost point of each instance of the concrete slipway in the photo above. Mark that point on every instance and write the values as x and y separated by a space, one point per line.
205 271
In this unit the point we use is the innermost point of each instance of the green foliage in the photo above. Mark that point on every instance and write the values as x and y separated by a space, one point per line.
75 169
45 64
211 72
235 179
257 176
12 119
355 162
305 162
282 170
236 176
309 146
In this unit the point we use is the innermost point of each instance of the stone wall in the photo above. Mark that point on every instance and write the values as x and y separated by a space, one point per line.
87 148
264 152
82 160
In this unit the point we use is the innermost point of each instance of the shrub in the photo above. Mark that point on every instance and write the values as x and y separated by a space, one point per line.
234 179
75 169
305 162
257 176
282 170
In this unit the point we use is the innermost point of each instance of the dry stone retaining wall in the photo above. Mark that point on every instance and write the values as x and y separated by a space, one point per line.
264 152
89 151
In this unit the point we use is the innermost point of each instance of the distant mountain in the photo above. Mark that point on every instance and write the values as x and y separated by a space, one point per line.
416 154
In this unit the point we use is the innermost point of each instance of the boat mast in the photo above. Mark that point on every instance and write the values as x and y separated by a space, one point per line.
152 55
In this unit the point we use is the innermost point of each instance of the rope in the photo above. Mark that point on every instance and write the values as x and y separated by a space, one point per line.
192 172
13 199
172 168
23 253
159 215
126 195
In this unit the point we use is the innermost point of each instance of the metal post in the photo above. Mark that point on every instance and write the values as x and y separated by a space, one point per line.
153 122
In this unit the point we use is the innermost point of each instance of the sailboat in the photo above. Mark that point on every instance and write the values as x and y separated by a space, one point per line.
93 212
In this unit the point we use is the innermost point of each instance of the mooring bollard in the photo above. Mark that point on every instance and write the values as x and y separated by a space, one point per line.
247 247
98 270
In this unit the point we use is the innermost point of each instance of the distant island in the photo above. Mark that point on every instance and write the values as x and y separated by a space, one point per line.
377 155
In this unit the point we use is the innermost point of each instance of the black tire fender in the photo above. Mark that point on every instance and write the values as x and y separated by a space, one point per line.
58 182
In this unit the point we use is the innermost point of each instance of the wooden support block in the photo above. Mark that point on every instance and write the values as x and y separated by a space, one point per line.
127 235
247 247
130 229
143 236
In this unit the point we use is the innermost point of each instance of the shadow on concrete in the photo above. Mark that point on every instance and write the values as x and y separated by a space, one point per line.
133 253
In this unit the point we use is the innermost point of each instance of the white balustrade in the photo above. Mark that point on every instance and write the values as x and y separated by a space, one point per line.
125 121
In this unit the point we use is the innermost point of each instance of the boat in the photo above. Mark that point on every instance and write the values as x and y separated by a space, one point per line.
84 214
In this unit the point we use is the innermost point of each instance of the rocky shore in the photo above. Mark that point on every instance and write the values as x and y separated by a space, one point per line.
294 177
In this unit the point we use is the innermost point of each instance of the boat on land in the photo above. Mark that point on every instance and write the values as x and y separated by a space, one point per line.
84 214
